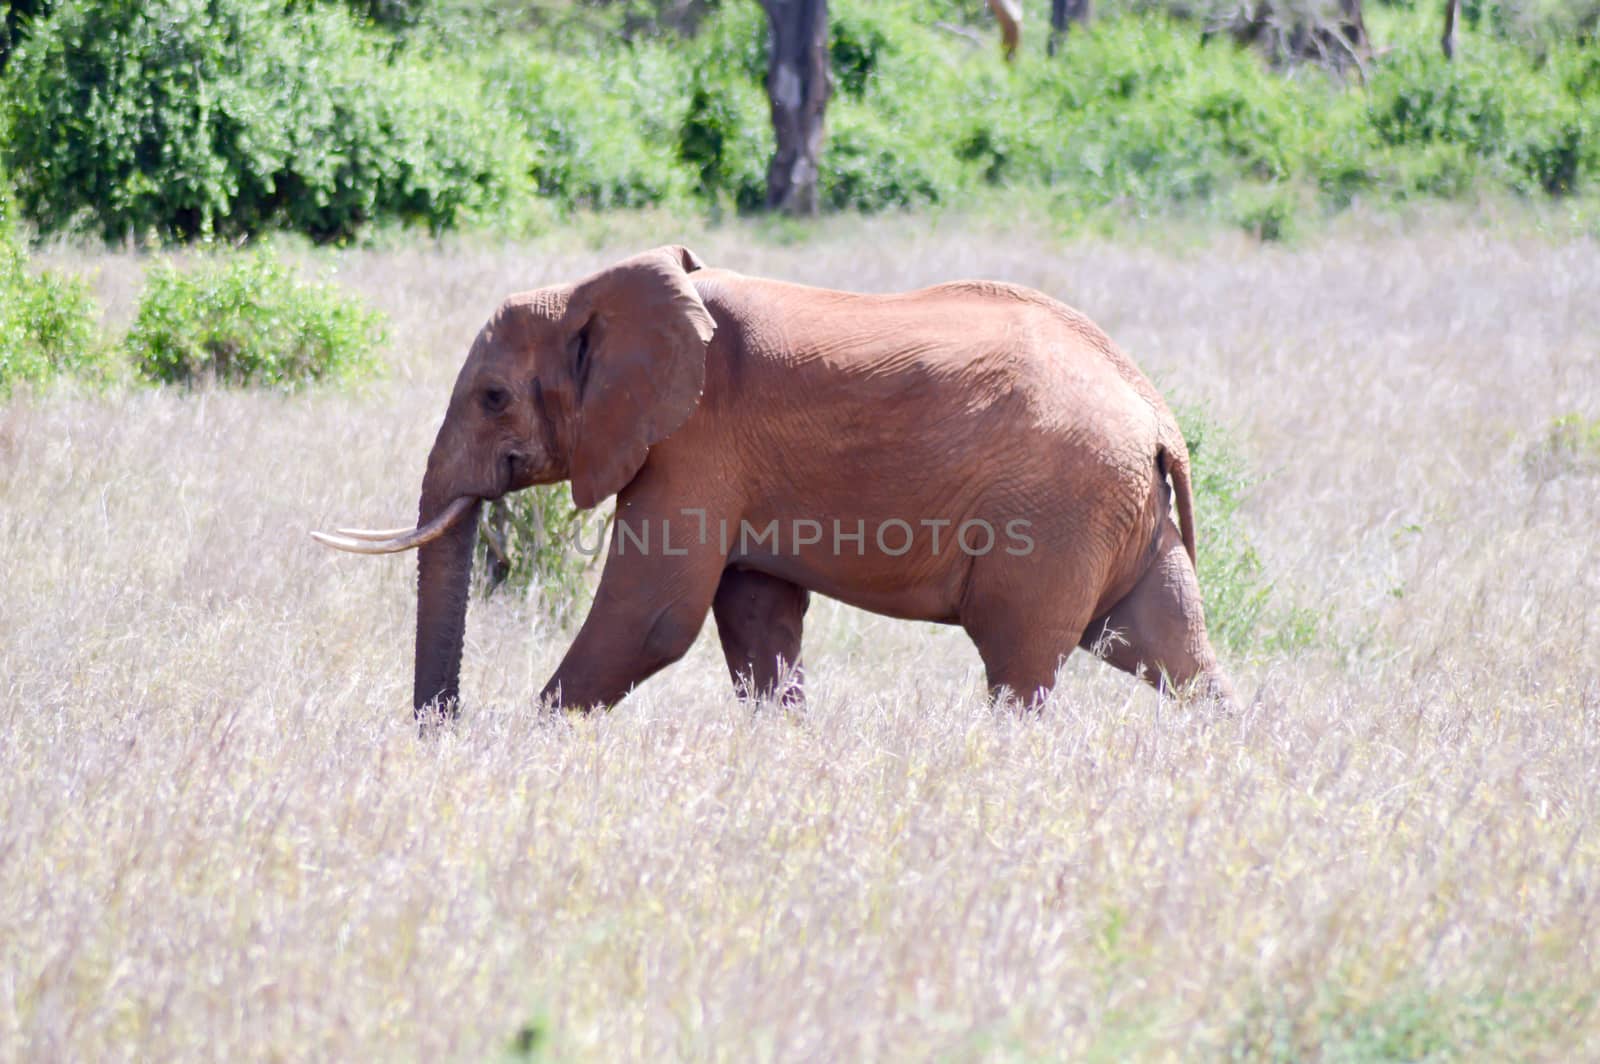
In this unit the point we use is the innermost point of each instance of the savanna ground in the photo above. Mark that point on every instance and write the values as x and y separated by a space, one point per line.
220 836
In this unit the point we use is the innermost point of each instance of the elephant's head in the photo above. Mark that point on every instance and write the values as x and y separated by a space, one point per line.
572 382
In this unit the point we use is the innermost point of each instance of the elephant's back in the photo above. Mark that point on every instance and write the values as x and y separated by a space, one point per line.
965 367
1070 379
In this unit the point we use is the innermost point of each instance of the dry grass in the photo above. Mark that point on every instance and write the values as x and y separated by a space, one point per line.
221 837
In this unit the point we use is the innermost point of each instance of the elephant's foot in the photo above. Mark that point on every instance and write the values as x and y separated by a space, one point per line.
1214 686
1158 630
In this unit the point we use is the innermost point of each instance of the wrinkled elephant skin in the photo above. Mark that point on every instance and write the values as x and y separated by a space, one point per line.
973 453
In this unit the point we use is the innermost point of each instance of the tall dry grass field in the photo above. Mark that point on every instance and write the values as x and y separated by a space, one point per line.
221 837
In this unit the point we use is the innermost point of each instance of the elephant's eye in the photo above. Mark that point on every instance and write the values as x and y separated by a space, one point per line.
495 399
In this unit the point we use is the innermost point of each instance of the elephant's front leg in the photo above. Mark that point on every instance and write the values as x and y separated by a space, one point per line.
650 606
759 620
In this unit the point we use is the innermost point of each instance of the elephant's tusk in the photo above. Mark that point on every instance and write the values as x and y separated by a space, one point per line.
371 534
357 541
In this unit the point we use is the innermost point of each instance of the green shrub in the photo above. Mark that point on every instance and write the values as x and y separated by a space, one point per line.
1418 97
1270 212
734 42
595 147
1553 148
413 142
538 539
857 44
1576 69
188 118
1531 127
393 14
193 117
882 146
725 136
1570 446
865 166
16 16
48 325
48 321
1141 111
249 320
1238 593
726 140
1534 25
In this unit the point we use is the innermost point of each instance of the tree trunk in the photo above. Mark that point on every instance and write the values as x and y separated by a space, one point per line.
1065 12
1009 14
798 84
1447 40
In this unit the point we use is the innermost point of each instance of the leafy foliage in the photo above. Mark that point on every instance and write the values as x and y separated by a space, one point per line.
249 320
190 118
593 150
1570 446
1508 118
15 18
1409 1022
723 143
391 13
1238 594
184 118
537 539
48 322
726 133
856 47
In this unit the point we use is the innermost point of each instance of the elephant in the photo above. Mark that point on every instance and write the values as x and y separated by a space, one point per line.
974 453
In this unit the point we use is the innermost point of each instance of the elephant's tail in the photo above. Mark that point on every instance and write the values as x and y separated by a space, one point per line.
1173 461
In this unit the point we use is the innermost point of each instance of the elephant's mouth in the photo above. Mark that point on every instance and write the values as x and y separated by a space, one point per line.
520 470
394 540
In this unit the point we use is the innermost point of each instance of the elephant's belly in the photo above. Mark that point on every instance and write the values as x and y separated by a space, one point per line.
903 576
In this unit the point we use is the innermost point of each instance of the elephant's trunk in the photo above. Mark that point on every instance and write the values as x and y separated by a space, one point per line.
444 568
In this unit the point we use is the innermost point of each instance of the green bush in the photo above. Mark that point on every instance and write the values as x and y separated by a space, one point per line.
733 42
48 321
882 147
1576 69
1505 117
538 539
16 16
1569 446
597 149
725 140
1534 25
1418 97
1238 593
726 132
393 14
247 320
1271 212
189 118
857 45
1142 112
866 168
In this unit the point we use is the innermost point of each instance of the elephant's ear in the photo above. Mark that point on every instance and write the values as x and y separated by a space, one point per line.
638 348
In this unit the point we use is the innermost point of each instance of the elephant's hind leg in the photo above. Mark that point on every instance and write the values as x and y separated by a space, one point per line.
1023 633
759 620
1158 630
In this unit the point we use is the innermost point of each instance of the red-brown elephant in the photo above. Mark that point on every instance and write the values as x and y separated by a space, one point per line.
973 453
